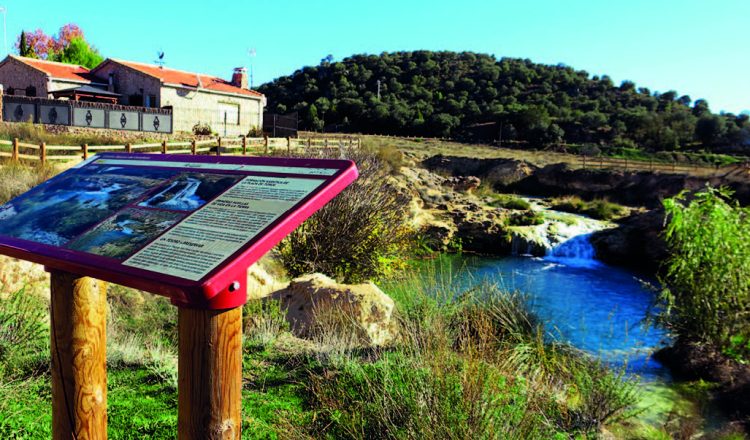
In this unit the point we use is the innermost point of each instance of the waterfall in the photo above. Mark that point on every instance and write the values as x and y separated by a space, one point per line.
185 198
577 251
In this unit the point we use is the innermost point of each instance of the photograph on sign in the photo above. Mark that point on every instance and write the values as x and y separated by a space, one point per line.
176 216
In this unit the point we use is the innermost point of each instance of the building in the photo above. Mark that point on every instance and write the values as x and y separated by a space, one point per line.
228 107
39 78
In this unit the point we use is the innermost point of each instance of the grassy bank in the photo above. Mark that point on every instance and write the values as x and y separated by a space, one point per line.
469 364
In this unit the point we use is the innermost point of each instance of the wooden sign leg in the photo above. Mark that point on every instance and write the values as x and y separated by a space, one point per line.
209 381
79 356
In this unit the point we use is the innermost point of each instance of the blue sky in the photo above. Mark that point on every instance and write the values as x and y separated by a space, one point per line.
696 47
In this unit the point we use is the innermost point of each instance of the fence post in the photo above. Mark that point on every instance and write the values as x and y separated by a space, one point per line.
288 145
584 161
218 146
244 145
265 143
192 147
309 143
43 152
85 149
14 154
164 147
128 148
325 143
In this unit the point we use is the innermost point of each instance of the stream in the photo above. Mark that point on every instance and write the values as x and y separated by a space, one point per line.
598 308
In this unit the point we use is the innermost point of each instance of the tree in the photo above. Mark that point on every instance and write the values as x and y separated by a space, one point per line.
68 46
79 52
23 47
709 129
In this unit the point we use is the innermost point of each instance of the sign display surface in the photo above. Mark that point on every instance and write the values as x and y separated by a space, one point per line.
187 227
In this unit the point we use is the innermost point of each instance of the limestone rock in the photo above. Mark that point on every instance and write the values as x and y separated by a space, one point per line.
463 183
316 304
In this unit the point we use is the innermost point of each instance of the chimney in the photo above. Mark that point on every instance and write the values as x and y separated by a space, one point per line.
239 77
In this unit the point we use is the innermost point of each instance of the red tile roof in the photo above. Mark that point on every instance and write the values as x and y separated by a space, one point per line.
172 76
58 70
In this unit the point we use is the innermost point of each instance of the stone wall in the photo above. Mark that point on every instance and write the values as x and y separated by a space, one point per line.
191 107
18 76
129 82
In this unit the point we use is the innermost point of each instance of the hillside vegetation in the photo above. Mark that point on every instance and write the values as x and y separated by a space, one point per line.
469 95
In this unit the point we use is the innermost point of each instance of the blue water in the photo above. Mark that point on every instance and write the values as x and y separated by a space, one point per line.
595 307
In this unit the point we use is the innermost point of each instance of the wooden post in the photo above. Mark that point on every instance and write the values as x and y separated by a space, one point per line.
288 145
128 148
209 380
164 147
244 145
43 153
192 147
85 149
14 153
78 308
584 161
218 146
309 143
325 143
265 143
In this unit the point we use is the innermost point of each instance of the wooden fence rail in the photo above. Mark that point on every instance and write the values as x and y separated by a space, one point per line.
600 162
220 146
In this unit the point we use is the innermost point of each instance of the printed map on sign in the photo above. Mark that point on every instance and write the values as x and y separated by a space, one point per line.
177 218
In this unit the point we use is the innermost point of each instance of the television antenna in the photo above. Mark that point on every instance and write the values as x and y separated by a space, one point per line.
159 58
251 53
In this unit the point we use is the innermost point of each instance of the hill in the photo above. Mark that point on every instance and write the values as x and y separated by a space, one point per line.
476 96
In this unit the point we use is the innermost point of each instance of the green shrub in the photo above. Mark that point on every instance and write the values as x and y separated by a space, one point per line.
600 209
362 234
526 218
202 129
510 202
707 277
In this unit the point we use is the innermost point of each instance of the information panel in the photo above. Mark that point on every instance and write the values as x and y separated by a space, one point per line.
184 226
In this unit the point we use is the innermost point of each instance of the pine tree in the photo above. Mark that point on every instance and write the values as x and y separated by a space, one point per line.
23 49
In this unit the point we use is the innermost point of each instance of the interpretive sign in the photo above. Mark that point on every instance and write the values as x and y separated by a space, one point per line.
186 227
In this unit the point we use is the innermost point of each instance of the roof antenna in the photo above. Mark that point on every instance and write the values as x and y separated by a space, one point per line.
160 60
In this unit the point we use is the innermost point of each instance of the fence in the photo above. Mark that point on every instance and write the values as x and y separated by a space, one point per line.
17 150
86 114
600 162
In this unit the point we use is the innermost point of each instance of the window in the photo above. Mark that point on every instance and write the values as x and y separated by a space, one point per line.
31 91
10 91
136 100
150 101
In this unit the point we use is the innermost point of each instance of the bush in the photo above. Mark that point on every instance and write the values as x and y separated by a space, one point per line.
707 278
600 209
362 234
202 129
510 202
526 218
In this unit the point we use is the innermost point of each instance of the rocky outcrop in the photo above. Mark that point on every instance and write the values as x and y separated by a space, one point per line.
316 306
493 171
642 188
463 183
698 361
636 243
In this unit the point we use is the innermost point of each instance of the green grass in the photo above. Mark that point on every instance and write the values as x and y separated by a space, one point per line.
509 202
